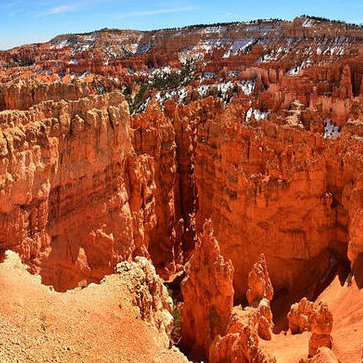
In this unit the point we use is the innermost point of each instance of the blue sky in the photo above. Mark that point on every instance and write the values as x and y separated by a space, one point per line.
27 21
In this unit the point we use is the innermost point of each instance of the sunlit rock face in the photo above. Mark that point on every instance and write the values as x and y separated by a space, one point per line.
64 202
122 144
207 295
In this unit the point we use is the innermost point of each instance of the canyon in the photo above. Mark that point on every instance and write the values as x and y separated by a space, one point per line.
188 194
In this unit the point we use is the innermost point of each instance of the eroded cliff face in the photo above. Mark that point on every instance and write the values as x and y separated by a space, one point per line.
282 191
154 137
64 201
117 144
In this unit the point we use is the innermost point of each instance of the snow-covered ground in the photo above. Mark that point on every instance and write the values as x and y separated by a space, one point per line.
213 29
60 44
179 94
203 90
238 46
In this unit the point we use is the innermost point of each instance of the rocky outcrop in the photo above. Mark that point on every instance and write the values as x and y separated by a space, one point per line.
208 328
321 323
323 355
122 319
207 295
305 316
259 181
148 292
240 343
259 295
26 93
299 316
259 284
265 323
345 84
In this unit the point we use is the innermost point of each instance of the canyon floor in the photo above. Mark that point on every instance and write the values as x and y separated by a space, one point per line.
189 194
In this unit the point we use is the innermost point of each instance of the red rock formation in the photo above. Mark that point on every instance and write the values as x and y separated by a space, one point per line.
26 93
345 84
64 198
241 342
207 295
299 316
251 184
148 293
323 355
321 322
264 320
255 126
141 174
259 284
154 137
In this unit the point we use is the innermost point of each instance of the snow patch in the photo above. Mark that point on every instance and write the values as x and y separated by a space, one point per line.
203 90
223 90
211 44
190 55
180 94
143 48
161 72
84 75
213 29
208 75
143 106
90 38
247 86
296 70
259 115
238 46
331 131
61 44
308 23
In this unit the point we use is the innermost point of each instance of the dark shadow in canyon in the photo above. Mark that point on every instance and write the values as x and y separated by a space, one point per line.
2 255
358 270
319 272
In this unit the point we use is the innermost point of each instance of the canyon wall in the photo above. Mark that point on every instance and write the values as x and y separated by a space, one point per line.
64 199
281 191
